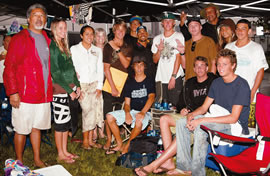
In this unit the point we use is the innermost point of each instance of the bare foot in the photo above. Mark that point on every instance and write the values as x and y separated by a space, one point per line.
107 146
40 164
95 145
67 160
178 171
71 155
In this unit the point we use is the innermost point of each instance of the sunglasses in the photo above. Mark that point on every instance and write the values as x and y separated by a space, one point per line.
193 45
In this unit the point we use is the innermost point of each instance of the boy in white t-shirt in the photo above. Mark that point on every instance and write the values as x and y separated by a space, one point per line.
170 61
251 61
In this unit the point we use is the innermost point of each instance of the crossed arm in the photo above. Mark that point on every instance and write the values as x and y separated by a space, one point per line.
227 119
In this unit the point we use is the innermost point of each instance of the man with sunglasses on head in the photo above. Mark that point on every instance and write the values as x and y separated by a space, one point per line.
170 61
198 45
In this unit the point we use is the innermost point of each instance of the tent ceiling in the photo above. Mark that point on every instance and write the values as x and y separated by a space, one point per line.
150 10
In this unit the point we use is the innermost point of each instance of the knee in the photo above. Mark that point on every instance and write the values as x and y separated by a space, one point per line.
110 118
164 119
138 122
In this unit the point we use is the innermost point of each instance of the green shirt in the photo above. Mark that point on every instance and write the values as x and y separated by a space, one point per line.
62 69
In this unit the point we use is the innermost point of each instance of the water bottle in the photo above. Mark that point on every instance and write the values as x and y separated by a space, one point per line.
160 148
4 104
165 104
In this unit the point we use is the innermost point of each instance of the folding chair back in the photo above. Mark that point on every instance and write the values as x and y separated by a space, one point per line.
262 114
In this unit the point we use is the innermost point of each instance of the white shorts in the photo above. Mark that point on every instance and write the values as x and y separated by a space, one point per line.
29 116
120 117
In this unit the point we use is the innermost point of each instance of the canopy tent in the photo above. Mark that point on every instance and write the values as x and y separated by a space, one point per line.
104 11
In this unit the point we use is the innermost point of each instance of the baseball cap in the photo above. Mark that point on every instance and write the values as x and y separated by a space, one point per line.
136 18
141 27
197 19
167 15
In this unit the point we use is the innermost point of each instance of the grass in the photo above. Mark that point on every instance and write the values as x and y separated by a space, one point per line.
91 163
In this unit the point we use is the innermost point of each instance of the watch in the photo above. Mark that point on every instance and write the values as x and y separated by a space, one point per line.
118 51
174 75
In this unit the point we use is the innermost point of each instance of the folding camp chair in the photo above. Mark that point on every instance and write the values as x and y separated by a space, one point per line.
127 128
255 160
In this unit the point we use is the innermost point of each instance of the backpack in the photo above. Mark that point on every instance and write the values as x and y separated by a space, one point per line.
142 151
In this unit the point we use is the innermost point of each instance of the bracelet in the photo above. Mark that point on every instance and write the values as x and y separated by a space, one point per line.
182 54
174 75
118 51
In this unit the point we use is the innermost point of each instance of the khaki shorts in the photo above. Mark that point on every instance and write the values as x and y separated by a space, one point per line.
29 116
175 117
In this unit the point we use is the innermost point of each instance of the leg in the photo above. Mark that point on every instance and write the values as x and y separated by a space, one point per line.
166 121
35 137
115 130
183 146
86 139
135 132
173 95
107 101
166 155
93 143
101 131
73 107
19 143
201 145
109 136
64 143
59 144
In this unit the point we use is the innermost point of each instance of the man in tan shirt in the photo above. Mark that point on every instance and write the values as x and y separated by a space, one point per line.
198 45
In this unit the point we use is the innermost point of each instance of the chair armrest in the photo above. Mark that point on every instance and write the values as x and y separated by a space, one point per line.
228 137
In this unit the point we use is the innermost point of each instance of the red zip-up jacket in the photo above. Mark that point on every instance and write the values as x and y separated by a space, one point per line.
23 70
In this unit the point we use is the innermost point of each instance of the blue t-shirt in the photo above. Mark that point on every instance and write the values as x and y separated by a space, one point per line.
236 92
138 92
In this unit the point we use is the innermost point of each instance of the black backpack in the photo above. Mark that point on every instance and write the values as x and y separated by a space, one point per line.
142 151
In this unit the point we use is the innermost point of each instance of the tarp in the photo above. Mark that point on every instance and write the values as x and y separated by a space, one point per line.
104 11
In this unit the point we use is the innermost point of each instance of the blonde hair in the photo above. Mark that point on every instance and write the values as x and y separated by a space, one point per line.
119 23
63 43
100 30
222 41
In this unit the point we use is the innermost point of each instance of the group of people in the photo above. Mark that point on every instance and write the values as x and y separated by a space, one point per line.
190 69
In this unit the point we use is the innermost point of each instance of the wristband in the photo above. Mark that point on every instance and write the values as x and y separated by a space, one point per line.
174 75
182 54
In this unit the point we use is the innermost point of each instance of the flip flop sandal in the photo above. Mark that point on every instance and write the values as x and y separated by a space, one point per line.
111 151
74 156
163 170
142 170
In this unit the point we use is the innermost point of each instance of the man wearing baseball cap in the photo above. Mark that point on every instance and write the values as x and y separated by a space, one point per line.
170 61
199 45
143 45
211 13
134 23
